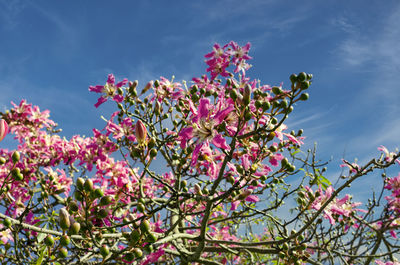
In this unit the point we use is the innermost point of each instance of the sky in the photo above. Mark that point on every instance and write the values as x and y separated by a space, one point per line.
51 51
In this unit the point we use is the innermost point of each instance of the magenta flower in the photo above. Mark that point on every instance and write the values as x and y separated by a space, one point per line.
3 129
203 128
109 90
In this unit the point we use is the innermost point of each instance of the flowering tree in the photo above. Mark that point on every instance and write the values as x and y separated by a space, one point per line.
184 173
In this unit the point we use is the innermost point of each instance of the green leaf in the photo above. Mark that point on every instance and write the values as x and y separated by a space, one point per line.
42 253
41 236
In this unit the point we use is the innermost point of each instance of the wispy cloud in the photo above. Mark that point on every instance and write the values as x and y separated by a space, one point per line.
10 11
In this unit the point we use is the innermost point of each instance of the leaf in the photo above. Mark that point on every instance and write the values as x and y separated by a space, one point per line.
41 236
40 259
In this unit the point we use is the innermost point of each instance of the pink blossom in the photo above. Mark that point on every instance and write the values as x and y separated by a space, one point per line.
109 90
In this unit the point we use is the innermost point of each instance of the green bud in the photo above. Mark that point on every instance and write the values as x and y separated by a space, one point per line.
137 252
293 78
153 152
285 246
233 94
304 85
98 193
135 236
194 89
15 157
151 238
79 183
258 104
106 200
276 90
88 185
49 240
2 160
282 255
152 142
266 105
284 162
284 104
140 207
309 76
104 251
304 96
156 83
65 240
63 253
74 229
16 173
301 76
145 226
274 121
7 223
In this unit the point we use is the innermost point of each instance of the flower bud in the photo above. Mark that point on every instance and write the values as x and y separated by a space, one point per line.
75 227
49 241
304 96
276 90
293 78
137 252
104 251
63 253
64 219
145 226
3 129
79 183
246 94
16 173
106 200
65 240
15 157
2 160
140 132
301 76
88 185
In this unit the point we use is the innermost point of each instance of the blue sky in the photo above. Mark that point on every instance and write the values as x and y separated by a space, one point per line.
51 51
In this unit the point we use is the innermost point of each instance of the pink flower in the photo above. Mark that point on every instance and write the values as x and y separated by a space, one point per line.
109 90
3 129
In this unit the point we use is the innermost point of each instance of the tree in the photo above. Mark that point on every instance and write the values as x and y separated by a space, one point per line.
188 174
